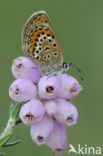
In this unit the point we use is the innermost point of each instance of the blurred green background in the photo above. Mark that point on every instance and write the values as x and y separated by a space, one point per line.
79 27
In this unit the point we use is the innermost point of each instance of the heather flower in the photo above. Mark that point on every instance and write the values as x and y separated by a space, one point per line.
31 112
24 67
41 131
22 90
47 109
58 140
69 87
50 107
66 112
48 87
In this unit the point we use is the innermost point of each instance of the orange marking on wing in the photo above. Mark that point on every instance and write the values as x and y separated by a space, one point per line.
31 50
47 32
37 33
32 43
40 31
35 37
32 37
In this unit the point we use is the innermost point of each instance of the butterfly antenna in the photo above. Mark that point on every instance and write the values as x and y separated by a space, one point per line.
77 70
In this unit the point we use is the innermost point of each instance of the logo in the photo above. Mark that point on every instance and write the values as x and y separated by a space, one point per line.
97 150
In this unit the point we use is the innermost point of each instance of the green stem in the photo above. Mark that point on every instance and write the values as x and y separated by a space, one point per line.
8 131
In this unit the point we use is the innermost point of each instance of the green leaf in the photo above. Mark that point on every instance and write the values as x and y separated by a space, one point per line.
5 139
11 143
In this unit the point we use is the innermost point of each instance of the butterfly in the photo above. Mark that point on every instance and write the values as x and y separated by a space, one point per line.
40 42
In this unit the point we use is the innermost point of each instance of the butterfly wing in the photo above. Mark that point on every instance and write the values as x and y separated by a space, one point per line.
40 42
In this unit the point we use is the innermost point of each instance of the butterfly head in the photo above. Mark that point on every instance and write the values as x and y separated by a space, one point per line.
65 66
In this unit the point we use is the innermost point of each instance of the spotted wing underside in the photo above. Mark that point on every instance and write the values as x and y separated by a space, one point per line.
40 42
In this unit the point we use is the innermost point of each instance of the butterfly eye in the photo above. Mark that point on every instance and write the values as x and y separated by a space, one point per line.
65 66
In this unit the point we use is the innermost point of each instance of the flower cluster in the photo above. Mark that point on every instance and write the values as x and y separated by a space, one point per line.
46 107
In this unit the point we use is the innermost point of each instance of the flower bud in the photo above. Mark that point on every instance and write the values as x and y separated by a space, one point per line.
58 139
41 131
69 87
48 86
66 112
50 107
24 67
22 90
31 112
